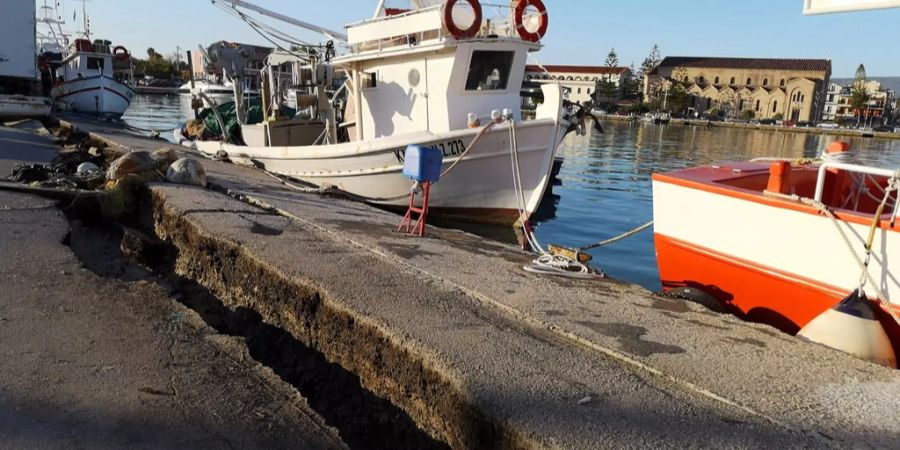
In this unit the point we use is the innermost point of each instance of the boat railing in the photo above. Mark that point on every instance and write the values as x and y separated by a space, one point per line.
853 168
497 22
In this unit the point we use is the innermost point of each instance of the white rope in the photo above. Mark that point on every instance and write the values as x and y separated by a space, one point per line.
821 207
545 263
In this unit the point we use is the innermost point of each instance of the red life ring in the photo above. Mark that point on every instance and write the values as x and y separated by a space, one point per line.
123 55
456 31
519 15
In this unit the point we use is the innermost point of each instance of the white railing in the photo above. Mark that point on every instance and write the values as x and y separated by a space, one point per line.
867 170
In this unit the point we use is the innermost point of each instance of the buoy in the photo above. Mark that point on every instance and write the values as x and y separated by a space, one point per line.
852 326
86 168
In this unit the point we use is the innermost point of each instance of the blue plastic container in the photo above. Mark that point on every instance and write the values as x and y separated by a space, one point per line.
423 163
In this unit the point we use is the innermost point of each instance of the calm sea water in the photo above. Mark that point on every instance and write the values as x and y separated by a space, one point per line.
604 186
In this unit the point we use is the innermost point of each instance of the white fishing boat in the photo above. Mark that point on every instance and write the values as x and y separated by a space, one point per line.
92 79
88 76
19 91
437 74
209 88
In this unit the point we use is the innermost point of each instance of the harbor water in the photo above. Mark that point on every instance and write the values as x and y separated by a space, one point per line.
604 186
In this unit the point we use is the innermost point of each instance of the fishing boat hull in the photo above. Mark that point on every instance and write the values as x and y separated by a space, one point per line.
765 258
23 107
100 95
480 188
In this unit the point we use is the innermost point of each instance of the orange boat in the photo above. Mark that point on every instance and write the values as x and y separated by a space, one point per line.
779 243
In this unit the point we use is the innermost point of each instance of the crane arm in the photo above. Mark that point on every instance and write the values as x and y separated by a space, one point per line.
305 25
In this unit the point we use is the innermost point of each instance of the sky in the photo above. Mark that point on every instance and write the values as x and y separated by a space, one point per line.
581 31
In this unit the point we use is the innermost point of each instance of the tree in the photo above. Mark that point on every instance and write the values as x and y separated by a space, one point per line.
607 87
630 85
679 99
859 94
151 53
651 62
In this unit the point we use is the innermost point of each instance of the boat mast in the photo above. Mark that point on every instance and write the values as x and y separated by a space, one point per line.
379 9
306 25
84 20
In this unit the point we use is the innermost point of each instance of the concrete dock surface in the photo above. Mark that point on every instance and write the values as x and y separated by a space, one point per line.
481 354
108 360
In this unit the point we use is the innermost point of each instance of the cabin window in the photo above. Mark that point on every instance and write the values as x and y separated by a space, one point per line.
489 70
95 63
368 80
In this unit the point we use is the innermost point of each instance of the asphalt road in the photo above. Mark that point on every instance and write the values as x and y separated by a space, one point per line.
98 355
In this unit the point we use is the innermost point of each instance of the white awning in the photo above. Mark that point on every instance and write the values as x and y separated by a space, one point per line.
833 6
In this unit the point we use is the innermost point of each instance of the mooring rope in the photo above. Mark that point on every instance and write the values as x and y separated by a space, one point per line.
893 184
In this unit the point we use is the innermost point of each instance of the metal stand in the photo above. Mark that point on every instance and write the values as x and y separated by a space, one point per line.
422 212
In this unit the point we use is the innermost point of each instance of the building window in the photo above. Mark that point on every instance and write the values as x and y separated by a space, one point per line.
589 90
701 80
579 90
717 80
741 106
489 70
765 81
781 83
686 79
774 105
732 80
749 81
757 105
708 103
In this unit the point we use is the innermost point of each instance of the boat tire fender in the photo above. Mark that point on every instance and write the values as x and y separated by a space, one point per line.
455 30
519 16
121 53
696 296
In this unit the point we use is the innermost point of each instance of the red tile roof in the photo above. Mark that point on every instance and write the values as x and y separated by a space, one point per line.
577 69
821 65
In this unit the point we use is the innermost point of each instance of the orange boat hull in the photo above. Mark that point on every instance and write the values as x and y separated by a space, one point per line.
750 291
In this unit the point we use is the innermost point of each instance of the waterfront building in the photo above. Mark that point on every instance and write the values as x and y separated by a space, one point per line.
879 109
581 81
205 70
763 88
834 101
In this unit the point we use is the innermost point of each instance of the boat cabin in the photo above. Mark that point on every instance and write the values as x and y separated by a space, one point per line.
86 59
410 73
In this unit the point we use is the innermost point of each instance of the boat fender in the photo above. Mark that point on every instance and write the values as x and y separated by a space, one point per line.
473 121
852 327
696 296
519 17
121 53
453 28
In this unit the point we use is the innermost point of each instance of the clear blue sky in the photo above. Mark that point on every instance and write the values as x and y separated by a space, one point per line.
581 31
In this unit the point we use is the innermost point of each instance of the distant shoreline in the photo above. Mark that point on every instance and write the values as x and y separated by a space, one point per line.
805 130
